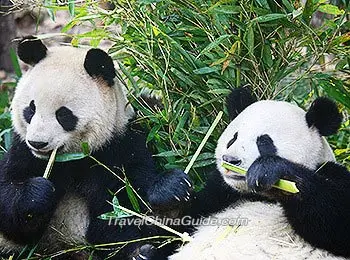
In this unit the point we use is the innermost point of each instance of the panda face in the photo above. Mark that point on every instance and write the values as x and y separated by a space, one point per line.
277 126
57 104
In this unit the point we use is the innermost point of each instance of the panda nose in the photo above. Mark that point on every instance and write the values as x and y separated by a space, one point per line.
232 160
38 145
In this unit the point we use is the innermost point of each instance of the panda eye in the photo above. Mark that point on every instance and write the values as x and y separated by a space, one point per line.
66 118
232 140
29 112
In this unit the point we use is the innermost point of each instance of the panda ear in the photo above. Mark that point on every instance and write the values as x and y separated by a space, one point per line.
324 115
31 50
99 64
238 100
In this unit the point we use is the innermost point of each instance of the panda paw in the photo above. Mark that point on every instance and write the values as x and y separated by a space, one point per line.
264 172
172 189
146 252
38 198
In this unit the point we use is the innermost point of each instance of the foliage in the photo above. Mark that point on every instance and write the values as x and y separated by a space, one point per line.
191 53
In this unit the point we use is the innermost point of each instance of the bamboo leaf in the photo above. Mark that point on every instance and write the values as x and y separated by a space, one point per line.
132 197
214 44
15 63
330 9
269 18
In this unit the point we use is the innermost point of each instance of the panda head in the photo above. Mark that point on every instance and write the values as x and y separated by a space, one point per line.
296 135
67 97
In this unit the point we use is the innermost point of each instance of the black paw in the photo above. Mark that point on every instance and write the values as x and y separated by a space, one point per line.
146 252
172 188
264 172
38 198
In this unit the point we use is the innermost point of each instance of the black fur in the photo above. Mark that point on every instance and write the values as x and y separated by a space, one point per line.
29 112
320 212
238 100
215 196
324 115
31 50
265 145
99 64
234 139
66 118
27 201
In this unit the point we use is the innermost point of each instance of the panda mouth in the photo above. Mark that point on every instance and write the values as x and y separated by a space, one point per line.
44 154
233 175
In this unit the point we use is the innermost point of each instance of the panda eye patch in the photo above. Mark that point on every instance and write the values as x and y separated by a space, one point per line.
66 118
232 140
29 112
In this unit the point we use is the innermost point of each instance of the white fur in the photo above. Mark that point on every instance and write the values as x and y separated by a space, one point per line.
285 124
68 225
66 229
267 236
60 79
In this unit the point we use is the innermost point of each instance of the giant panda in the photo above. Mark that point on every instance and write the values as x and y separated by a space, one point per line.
249 219
70 96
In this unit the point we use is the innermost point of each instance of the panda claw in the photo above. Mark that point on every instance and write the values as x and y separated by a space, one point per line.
142 257
188 194
188 183
177 198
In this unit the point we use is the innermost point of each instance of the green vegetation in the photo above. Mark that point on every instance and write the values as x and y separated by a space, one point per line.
191 53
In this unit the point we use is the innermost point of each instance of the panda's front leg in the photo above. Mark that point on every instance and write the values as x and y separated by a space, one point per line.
26 202
171 190
267 169
320 211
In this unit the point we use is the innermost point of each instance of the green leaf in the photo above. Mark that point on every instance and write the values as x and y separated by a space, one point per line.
330 9
132 197
249 38
50 11
168 154
86 149
15 63
308 11
71 7
334 88
214 44
226 9
205 70
116 213
269 17
288 5
267 56
65 157
263 3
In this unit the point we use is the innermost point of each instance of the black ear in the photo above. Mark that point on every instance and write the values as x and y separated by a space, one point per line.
238 100
31 50
324 115
100 64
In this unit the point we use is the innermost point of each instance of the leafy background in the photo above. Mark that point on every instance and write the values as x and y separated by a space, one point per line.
190 54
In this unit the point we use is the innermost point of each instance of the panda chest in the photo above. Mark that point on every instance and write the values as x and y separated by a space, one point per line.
69 223
248 229
251 221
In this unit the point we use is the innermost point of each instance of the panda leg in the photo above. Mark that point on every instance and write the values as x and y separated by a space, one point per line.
320 211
